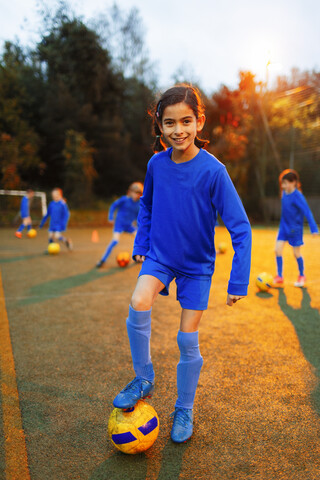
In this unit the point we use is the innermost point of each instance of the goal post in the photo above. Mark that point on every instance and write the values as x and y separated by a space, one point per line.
10 205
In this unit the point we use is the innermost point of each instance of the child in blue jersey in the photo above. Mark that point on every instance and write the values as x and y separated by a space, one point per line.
59 215
25 213
127 208
294 208
184 188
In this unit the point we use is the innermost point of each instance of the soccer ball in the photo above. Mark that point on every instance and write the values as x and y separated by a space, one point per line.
222 247
32 233
123 258
264 281
134 430
53 248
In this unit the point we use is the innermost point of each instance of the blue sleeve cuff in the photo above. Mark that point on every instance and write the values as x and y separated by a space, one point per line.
140 251
237 289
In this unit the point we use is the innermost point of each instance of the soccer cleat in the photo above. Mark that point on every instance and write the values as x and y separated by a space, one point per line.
137 389
182 427
18 234
100 263
278 281
301 281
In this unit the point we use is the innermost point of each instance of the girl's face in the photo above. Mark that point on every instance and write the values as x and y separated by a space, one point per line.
288 187
56 195
180 126
134 195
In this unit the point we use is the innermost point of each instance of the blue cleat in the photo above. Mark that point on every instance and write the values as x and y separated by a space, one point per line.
136 390
182 427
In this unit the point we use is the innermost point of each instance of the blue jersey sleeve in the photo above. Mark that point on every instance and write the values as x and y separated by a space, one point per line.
302 204
114 206
46 216
227 201
24 208
66 216
142 240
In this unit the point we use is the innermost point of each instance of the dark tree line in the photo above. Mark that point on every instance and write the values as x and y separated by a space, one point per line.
73 113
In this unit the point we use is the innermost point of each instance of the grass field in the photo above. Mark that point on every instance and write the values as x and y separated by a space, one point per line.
258 401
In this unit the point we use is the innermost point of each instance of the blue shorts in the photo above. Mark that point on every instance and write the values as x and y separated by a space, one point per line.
124 228
192 292
295 240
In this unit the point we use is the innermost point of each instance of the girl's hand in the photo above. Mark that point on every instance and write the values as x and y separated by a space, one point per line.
231 299
139 258
315 234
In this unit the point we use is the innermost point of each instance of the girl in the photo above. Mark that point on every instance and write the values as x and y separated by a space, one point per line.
25 213
59 213
294 208
127 211
184 189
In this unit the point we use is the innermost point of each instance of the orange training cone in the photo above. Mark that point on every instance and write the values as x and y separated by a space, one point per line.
95 236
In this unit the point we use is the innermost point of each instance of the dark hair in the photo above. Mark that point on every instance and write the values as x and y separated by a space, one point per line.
291 176
177 94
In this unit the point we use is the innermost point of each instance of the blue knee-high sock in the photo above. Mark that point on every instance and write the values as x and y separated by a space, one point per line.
279 265
188 369
300 266
21 228
109 249
29 227
139 333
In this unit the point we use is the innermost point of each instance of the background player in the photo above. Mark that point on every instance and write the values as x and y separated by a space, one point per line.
25 213
294 208
59 215
184 189
127 208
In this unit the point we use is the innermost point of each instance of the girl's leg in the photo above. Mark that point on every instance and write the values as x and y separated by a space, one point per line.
189 366
278 252
51 237
299 258
110 247
26 222
139 333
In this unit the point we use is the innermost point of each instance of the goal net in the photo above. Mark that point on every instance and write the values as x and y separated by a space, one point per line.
10 206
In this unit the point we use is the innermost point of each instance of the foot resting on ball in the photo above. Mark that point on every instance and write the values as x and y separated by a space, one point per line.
136 390
182 427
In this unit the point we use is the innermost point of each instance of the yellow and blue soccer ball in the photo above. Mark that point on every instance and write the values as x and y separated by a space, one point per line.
32 233
53 248
123 259
264 281
134 430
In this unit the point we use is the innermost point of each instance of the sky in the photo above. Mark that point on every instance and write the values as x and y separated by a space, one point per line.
210 40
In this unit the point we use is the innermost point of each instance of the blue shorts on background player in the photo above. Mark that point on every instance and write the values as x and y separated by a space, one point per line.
294 208
59 214
25 213
185 187
127 208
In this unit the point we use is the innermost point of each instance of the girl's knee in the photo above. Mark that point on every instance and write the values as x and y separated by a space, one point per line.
141 301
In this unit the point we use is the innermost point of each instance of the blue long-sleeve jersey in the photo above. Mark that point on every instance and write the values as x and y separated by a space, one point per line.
178 213
59 215
24 207
294 208
127 212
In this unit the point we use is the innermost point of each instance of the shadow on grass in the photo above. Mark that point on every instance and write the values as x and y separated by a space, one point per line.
134 467
264 295
306 321
20 258
60 286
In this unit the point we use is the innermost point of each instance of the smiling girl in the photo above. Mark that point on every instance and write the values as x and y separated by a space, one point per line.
184 189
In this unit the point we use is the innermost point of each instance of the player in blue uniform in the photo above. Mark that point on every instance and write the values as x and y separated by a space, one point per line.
294 208
184 188
59 215
127 208
25 213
